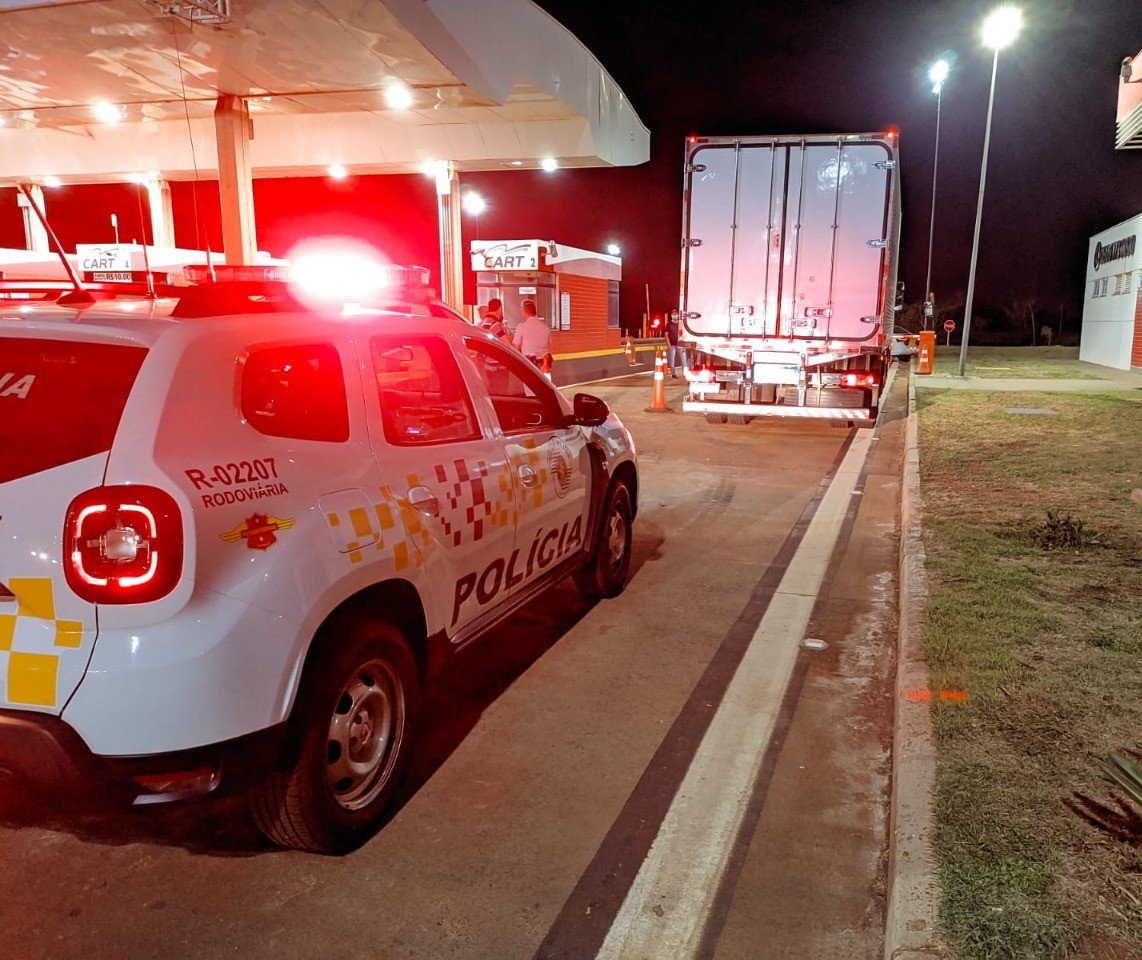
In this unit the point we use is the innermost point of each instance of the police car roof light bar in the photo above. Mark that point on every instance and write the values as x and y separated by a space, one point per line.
387 275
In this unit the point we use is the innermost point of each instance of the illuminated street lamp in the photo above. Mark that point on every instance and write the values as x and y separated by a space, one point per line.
938 74
999 31
614 249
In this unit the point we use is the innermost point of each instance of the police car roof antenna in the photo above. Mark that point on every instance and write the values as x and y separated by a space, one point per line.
150 294
79 295
198 237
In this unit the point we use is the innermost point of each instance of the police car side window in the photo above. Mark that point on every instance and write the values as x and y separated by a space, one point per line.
522 398
421 392
296 391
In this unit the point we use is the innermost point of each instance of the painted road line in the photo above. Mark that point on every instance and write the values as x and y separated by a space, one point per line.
665 911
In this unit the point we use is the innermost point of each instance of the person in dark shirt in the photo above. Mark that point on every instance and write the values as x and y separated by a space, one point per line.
674 352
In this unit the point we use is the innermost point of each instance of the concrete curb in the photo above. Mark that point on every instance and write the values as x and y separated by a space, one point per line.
910 929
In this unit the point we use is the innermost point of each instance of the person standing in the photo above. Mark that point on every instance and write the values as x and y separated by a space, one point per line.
533 335
494 320
673 351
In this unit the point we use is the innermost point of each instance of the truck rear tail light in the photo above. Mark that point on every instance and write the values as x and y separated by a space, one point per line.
123 544
860 379
700 374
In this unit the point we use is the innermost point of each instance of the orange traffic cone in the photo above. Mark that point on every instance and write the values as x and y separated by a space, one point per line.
630 352
658 397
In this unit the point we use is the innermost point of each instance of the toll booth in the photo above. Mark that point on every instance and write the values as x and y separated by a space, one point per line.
575 291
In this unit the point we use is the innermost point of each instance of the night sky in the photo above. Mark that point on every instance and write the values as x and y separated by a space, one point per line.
732 67
729 67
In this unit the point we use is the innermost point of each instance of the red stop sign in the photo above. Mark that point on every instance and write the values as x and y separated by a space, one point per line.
949 325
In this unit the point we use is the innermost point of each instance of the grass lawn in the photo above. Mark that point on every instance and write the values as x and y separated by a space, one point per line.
1025 363
1047 645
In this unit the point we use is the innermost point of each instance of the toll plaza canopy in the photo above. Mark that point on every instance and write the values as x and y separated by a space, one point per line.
95 91
491 83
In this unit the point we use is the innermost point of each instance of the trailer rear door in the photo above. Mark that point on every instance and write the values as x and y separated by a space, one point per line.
787 238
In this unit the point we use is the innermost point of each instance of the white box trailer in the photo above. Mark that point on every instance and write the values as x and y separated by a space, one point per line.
789 256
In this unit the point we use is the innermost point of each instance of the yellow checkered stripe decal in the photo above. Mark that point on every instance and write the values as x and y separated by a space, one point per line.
31 641
473 497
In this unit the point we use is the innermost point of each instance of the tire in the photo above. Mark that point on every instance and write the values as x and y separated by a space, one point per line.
353 727
605 574
738 419
716 418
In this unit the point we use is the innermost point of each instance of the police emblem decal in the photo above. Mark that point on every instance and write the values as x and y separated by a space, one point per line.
559 459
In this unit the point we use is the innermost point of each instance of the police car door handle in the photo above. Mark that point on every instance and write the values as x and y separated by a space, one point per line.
424 500
527 476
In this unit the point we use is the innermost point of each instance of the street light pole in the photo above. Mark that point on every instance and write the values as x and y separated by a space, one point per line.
938 74
999 31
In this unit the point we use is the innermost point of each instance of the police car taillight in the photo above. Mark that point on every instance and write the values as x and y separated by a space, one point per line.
860 379
123 544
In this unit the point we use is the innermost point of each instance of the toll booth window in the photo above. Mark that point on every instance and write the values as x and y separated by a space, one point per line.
421 392
523 399
296 391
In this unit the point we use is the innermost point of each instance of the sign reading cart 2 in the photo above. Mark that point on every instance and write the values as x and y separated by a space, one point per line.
507 255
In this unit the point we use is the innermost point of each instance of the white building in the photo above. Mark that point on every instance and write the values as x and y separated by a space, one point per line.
1112 309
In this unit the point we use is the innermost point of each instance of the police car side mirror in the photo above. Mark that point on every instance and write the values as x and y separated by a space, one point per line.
589 411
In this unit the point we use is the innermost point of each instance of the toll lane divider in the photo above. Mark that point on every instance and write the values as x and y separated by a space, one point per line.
665 912
592 907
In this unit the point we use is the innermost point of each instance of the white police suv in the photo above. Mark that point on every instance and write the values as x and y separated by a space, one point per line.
240 530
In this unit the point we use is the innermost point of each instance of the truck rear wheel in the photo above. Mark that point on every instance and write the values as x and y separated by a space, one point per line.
353 732
716 418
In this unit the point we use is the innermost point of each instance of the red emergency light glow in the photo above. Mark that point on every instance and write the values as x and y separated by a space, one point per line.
123 544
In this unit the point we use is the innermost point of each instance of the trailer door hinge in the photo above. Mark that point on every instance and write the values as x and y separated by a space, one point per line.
692 315
695 168
885 164
692 242
876 244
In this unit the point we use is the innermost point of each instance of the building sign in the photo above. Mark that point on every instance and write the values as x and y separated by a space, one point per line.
104 257
1105 253
506 255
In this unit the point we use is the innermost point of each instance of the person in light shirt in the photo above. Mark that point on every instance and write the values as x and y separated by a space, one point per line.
532 337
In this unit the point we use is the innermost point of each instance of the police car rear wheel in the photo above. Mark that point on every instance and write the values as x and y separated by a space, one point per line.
354 730
606 573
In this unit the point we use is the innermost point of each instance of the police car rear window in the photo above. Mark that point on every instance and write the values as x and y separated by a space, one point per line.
60 401
296 391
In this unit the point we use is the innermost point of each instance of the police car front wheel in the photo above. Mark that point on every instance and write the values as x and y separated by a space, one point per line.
605 575
354 725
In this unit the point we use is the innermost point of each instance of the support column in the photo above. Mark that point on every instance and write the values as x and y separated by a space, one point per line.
162 213
35 236
235 186
451 256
